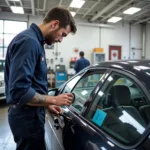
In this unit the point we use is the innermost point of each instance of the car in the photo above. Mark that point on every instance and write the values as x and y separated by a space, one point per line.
2 83
110 109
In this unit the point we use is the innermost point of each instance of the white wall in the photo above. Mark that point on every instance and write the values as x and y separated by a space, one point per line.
88 38
118 36
85 40
148 41
136 42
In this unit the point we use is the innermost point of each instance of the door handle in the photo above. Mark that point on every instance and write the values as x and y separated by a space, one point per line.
72 129
65 117
56 123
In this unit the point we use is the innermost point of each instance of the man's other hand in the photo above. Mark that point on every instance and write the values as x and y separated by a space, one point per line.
55 109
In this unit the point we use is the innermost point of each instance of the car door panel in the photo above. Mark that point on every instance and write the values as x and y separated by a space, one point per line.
53 137
79 135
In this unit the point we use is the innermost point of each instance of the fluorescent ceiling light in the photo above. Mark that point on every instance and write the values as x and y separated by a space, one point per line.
15 0
77 3
73 13
114 19
132 10
18 10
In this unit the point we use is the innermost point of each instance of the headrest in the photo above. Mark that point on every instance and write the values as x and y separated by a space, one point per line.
120 96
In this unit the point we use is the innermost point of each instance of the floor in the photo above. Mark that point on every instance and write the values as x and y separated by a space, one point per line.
6 138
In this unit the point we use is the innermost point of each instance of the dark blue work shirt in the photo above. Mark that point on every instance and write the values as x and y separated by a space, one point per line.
25 67
81 64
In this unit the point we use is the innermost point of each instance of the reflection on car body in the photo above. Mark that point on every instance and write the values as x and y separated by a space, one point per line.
110 111
2 83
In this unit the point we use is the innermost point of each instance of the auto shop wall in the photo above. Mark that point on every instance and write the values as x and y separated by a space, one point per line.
148 41
87 38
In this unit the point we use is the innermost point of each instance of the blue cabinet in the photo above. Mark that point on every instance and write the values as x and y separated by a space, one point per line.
61 78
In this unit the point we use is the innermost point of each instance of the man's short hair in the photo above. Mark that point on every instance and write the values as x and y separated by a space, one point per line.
81 53
63 15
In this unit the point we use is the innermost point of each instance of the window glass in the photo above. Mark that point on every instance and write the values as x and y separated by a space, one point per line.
70 85
1 40
121 109
1 26
7 39
84 88
8 30
17 26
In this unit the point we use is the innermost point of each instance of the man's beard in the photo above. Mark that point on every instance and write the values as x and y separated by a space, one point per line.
50 39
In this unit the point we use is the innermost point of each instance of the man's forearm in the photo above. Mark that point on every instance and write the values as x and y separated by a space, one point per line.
41 100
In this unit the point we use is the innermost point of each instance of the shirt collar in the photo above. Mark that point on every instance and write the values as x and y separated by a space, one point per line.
38 33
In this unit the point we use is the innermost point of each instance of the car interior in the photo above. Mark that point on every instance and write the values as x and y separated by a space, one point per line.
127 110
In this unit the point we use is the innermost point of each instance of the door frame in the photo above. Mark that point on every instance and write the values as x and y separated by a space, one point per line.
109 55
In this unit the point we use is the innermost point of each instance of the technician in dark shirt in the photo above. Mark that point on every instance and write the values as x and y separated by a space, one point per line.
26 79
81 63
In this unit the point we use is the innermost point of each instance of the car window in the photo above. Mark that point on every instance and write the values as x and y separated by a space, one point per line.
120 109
70 85
84 87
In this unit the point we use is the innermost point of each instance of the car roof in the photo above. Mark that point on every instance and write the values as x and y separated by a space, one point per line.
138 68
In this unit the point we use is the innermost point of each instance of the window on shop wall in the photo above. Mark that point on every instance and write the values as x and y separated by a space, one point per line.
8 30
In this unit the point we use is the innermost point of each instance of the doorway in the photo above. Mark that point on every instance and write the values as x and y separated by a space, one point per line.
115 52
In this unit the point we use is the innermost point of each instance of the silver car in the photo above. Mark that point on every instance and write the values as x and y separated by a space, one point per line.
2 83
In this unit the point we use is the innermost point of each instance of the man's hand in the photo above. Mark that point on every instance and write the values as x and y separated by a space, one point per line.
46 100
55 109
64 99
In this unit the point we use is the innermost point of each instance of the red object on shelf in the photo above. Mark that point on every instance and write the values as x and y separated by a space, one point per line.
73 59
76 50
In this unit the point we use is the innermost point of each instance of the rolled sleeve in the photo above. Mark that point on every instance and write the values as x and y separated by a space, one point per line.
23 62
27 96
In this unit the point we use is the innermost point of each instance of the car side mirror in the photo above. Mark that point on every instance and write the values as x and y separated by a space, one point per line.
53 92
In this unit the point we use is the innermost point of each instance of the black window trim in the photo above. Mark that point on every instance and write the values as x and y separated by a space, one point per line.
116 142
72 109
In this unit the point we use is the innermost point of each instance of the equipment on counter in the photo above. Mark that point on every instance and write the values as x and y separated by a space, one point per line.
98 57
72 61
60 75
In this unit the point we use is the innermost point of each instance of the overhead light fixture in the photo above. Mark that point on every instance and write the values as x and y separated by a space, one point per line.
114 19
16 9
77 3
15 0
132 10
73 13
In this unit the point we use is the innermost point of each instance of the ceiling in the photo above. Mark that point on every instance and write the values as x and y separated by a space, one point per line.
98 11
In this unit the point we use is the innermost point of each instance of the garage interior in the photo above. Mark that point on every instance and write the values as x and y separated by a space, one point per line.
107 30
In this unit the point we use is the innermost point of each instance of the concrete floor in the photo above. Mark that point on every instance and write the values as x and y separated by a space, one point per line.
6 138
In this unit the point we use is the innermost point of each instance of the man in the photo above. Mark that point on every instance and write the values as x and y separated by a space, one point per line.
81 63
26 79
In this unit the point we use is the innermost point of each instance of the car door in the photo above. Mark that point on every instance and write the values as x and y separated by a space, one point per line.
116 113
81 88
76 130
53 128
